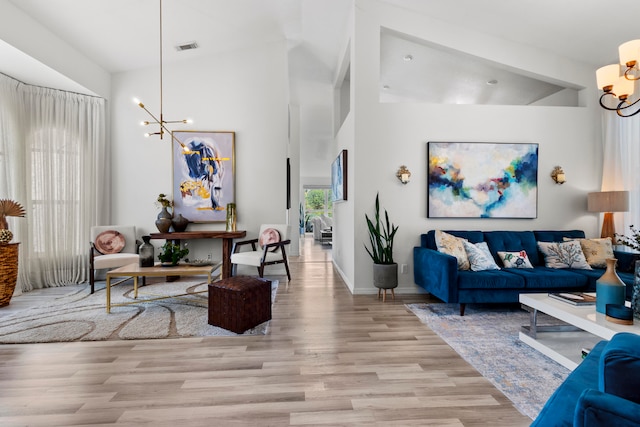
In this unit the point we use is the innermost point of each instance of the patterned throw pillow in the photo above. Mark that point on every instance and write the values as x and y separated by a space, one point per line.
452 245
109 242
515 259
596 251
563 255
479 256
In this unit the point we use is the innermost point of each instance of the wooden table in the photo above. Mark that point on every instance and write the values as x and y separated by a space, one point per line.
227 242
135 271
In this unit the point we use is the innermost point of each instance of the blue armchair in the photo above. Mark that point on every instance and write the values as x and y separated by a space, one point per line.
604 390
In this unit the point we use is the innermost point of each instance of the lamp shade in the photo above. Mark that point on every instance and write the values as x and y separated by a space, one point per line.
608 201
629 51
623 87
607 75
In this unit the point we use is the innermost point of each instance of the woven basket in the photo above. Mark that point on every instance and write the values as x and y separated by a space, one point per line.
8 271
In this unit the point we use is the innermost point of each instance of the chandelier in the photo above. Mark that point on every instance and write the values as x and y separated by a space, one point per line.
618 81
161 122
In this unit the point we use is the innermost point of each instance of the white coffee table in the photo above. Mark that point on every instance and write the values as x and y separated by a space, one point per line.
583 328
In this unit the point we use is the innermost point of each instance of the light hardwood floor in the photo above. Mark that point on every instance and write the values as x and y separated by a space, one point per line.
331 358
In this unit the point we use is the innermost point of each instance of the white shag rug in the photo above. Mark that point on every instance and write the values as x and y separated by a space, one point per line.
81 316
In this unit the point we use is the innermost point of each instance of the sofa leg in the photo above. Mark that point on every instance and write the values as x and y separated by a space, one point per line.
462 307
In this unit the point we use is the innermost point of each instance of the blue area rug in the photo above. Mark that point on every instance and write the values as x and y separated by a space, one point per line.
487 338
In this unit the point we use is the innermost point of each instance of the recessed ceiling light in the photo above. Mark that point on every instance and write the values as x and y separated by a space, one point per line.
408 58
492 82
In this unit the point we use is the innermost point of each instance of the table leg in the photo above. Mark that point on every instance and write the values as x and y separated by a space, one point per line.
135 287
108 287
227 245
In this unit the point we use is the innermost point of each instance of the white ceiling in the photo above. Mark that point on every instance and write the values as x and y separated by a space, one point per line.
122 35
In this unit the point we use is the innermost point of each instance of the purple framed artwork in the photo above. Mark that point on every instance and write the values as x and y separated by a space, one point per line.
482 180
203 174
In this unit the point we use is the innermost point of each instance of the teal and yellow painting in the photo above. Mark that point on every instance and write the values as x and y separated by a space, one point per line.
482 180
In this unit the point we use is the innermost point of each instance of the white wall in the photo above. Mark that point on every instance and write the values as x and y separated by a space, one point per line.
244 91
389 135
65 67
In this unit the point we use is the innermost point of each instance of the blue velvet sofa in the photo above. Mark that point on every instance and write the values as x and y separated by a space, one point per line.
438 273
604 390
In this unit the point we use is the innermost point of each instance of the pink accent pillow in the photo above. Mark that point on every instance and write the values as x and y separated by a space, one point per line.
269 235
109 242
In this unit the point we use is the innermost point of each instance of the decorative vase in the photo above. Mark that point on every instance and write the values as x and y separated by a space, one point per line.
231 217
609 288
8 271
164 213
146 252
163 223
180 223
635 298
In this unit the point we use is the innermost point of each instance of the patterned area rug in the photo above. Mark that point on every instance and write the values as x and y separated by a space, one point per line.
81 316
487 338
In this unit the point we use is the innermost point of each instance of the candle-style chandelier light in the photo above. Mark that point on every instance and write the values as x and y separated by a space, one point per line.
161 122
618 81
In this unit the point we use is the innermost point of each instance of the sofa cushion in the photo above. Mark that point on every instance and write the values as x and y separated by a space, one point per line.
452 245
596 251
563 255
515 259
513 241
480 258
557 235
489 279
428 240
544 278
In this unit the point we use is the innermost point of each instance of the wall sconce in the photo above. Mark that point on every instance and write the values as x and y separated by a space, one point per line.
558 175
403 174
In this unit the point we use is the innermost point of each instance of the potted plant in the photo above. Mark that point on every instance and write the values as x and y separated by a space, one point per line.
381 235
171 253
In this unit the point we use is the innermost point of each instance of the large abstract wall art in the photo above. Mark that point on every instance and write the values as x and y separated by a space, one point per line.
482 180
203 175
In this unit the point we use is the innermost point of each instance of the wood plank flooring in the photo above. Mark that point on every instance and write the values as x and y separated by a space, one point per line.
331 358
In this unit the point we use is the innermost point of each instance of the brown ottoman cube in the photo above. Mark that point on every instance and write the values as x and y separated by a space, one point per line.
239 303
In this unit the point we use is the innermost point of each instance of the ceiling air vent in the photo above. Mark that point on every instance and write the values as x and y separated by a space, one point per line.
187 46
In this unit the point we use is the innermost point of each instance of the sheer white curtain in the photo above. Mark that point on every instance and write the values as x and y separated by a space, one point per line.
621 164
57 141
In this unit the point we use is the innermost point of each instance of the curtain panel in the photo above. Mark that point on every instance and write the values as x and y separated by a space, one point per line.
620 164
54 162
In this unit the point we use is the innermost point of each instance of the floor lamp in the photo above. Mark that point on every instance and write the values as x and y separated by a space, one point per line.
608 202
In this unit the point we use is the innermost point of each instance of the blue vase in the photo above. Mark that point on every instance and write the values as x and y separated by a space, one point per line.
609 288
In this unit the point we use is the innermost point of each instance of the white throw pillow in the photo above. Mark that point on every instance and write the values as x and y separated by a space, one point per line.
480 258
563 255
515 259
452 245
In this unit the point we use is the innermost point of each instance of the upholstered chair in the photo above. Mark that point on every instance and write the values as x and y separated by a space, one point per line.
267 249
112 246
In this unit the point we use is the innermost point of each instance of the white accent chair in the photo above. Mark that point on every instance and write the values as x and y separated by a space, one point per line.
128 255
261 256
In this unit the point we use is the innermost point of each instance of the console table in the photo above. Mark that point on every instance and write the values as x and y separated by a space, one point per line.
227 242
